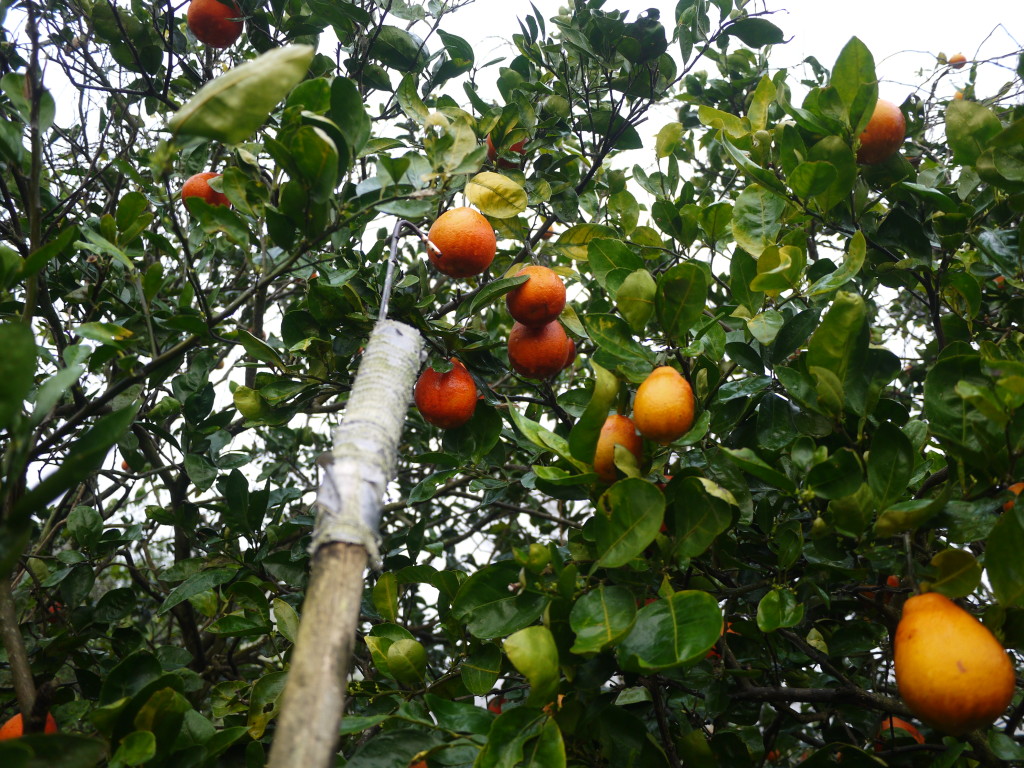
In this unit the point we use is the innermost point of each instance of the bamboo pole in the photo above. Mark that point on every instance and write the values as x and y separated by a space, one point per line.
345 537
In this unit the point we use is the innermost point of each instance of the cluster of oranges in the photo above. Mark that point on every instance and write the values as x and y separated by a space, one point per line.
663 411
462 243
15 727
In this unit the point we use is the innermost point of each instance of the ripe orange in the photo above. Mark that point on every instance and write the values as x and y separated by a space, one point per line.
539 300
1015 489
538 353
494 705
958 96
463 243
957 61
492 153
887 731
14 727
446 400
663 407
617 430
883 135
570 352
199 186
216 23
950 669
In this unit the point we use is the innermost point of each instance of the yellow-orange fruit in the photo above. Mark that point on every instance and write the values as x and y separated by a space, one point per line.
883 135
463 243
958 96
663 407
617 430
199 186
446 400
14 727
540 299
957 60
1015 489
950 670
492 152
887 731
215 23
538 353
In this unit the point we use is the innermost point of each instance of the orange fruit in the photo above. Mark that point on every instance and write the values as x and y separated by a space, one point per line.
446 400
617 430
957 61
492 153
540 299
462 243
958 96
215 23
14 727
1015 489
570 352
950 669
883 135
199 186
494 705
663 407
887 731
538 353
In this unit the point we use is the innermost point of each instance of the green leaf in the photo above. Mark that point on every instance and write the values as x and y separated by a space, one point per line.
136 748
765 326
17 369
833 345
838 154
851 266
635 299
629 515
264 702
838 476
533 652
256 348
587 429
750 462
681 298
779 609
601 617
459 716
970 127
481 669
959 573
669 633
489 609
890 463
757 219
87 452
493 290
522 737
699 516
779 269
230 108
193 585
907 515
612 261
287 619
385 596
611 334
496 195
755 32
854 79
1003 563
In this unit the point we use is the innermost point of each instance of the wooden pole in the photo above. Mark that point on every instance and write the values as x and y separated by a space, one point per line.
362 463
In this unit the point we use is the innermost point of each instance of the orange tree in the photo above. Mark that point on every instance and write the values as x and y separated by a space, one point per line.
171 371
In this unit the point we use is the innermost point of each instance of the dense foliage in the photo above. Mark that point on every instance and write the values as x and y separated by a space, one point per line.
170 372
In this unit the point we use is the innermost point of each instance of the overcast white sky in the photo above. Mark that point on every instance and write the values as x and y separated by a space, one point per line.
904 35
